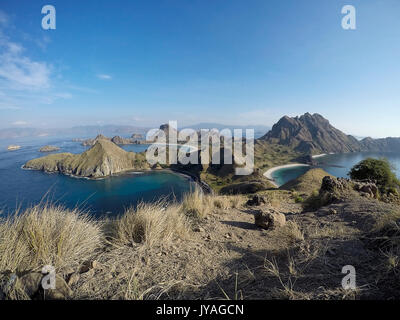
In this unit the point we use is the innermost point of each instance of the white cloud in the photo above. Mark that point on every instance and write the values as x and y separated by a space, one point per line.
104 77
19 123
19 72
24 82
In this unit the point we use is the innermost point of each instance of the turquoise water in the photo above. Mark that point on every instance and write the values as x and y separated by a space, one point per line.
336 164
110 196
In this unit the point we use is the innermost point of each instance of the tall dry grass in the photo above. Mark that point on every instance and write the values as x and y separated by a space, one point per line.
151 223
47 235
198 205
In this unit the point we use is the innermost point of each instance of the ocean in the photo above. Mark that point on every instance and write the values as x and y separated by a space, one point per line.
21 188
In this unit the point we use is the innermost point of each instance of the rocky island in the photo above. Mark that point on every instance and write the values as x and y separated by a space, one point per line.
117 140
103 159
48 149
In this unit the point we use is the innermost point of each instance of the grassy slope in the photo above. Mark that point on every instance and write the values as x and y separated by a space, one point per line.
306 183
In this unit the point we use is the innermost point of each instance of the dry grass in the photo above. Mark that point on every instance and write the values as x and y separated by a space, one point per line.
291 232
387 220
197 205
47 235
151 224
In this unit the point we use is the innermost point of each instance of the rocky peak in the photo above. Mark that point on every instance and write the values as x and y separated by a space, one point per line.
311 133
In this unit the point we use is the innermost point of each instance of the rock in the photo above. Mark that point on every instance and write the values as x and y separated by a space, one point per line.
61 292
332 211
198 229
73 279
257 200
94 264
31 283
366 189
269 220
332 184
48 149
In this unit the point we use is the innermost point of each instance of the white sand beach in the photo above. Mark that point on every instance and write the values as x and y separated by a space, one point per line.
270 171
319 155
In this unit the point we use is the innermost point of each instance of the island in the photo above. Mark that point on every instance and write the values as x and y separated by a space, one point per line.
105 158
48 149
13 147
117 140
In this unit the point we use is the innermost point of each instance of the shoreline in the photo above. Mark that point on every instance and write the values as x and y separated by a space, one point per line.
268 174
319 155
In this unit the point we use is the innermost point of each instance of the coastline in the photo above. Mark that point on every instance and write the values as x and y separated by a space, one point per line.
270 171
319 155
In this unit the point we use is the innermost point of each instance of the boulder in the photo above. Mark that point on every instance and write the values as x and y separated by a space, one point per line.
257 200
333 185
269 220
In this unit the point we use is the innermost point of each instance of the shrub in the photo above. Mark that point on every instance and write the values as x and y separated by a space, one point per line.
196 204
298 199
379 170
151 224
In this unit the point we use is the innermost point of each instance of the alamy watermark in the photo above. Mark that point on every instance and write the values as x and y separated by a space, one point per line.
349 281
349 20
49 20
205 146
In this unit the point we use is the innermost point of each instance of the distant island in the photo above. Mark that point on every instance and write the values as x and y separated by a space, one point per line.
13 147
48 149
135 139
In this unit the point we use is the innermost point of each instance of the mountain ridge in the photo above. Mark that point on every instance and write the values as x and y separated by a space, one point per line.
312 134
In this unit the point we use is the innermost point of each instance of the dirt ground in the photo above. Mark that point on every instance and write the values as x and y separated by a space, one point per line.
228 257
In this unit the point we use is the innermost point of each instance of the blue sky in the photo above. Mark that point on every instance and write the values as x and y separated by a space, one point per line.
232 62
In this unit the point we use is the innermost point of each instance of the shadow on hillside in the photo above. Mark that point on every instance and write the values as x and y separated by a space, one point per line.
299 273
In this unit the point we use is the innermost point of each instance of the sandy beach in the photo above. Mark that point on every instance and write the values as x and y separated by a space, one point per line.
269 172
319 155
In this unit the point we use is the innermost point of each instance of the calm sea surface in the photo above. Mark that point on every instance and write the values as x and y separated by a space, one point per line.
110 196
336 164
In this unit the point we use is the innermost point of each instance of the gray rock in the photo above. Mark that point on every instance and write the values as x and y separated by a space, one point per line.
257 200
269 220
